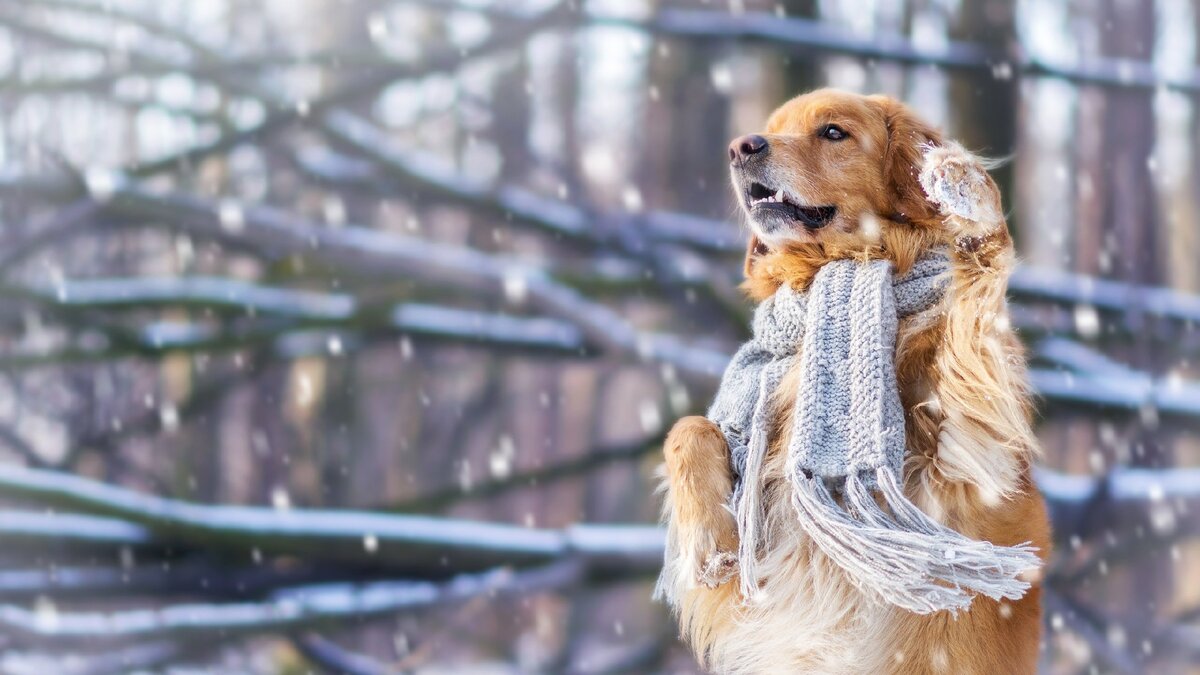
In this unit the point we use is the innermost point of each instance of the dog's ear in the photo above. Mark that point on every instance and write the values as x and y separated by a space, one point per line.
908 139
755 249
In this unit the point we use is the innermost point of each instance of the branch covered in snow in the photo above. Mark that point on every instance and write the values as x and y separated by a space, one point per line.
388 256
1157 500
135 658
285 610
424 547
425 544
30 532
293 322
133 573
811 36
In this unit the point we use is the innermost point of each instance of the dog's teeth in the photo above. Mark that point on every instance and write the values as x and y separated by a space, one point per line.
779 195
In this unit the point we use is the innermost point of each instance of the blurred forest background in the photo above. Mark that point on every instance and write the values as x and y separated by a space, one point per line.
341 335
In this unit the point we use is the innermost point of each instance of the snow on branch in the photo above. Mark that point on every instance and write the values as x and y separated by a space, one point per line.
37 532
284 317
104 570
285 610
201 291
1155 502
487 558
799 34
428 545
134 658
808 35
275 232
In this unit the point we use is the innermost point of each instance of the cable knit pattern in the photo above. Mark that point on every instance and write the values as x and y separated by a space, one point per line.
848 439
779 333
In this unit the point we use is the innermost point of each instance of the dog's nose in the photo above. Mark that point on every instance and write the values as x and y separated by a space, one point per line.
746 146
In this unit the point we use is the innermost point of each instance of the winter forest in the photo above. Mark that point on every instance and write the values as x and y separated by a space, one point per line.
342 335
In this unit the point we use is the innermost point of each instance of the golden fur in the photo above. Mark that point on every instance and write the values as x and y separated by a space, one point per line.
899 189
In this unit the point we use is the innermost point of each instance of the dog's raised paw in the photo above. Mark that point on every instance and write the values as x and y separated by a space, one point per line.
718 568
957 183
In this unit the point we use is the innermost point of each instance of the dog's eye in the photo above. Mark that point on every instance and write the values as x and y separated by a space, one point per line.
833 132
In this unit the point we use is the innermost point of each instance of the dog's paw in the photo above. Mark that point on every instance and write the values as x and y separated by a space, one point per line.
957 183
717 569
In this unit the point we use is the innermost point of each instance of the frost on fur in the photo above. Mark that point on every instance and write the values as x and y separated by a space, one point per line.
957 182
718 568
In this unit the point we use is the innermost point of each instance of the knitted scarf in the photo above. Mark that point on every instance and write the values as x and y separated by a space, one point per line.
848 440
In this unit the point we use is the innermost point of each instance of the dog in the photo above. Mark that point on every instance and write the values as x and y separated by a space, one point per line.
839 175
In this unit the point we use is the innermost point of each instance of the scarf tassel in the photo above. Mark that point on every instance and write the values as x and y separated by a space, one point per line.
747 497
906 558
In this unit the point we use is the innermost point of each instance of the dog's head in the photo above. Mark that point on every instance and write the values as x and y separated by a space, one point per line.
832 166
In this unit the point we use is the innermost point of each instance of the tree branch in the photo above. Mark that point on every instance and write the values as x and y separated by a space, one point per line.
813 36
286 610
431 546
333 658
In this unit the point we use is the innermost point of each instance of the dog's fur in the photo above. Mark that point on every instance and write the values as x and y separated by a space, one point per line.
899 189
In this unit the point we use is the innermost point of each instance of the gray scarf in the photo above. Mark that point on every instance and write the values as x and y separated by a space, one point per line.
848 440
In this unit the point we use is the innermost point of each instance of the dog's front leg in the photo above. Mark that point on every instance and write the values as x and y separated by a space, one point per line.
699 484
978 481
985 438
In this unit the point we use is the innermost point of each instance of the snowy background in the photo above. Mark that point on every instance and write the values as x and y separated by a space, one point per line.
341 335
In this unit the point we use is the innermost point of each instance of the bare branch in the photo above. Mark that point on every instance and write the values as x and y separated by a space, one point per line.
333 658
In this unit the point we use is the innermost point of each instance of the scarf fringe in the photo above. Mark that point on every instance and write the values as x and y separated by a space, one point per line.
906 558
748 499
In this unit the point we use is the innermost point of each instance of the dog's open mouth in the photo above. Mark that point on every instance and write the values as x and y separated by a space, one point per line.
813 217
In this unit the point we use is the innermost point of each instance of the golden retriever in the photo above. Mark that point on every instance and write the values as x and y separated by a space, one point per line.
838 175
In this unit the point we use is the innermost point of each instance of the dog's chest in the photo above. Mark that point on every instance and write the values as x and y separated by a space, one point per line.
810 618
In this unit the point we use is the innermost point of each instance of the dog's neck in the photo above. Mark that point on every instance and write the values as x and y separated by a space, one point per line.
796 264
